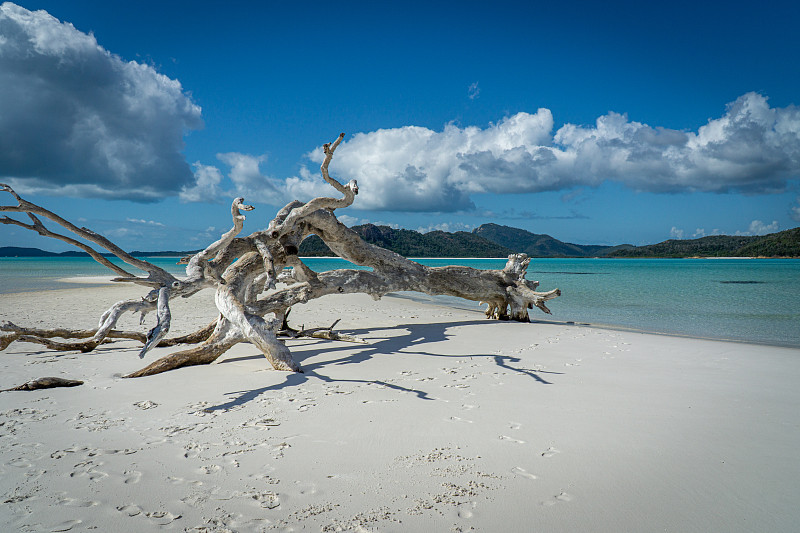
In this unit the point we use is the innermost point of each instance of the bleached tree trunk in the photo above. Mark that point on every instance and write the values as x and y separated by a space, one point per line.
254 289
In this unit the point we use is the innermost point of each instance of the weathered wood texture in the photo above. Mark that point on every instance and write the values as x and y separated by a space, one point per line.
259 277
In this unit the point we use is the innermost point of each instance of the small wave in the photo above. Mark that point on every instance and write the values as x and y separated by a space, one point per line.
743 282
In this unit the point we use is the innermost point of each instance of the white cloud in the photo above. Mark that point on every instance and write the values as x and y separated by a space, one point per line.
759 228
449 227
392 225
417 169
473 91
119 233
247 177
794 211
248 181
752 148
76 120
756 227
349 221
206 185
145 222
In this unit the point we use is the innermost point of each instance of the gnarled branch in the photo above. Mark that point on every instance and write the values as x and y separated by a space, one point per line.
258 278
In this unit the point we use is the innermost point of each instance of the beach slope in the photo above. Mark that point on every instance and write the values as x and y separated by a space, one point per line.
444 421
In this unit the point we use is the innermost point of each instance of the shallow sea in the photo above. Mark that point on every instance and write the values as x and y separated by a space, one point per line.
752 300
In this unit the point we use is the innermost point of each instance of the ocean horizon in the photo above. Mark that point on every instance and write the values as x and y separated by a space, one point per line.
738 299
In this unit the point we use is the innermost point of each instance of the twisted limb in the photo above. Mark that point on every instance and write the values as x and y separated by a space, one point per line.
259 277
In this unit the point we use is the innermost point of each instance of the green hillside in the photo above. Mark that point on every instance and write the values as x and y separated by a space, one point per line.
539 245
783 244
411 243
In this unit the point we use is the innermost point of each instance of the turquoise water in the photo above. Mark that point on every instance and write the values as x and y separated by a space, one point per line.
754 300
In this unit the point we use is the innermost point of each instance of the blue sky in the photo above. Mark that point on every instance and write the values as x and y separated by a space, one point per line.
606 123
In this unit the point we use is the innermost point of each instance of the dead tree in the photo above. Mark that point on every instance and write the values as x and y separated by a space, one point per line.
258 278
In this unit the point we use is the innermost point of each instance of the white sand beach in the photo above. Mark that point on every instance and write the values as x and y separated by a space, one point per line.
444 421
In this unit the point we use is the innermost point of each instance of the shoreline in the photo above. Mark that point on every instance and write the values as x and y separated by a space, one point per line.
504 258
425 299
443 421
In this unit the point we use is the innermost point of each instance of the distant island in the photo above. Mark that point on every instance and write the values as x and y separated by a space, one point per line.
494 240
16 251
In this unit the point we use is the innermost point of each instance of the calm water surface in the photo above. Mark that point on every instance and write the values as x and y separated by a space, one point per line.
755 300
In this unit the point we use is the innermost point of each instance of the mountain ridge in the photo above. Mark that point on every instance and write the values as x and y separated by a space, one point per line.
494 240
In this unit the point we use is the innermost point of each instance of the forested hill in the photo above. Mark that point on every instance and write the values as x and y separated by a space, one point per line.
411 243
782 244
17 251
540 245
492 240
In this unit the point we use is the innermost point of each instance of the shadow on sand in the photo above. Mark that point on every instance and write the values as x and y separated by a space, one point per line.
414 337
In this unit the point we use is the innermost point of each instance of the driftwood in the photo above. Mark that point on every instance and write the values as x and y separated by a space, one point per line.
258 278
45 383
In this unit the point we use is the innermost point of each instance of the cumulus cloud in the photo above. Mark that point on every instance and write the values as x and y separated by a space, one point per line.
205 187
794 211
752 148
77 120
416 169
349 221
757 227
760 228
247 180
449 227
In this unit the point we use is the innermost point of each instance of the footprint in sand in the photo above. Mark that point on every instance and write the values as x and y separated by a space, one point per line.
264 475
209 469
512 439
560 497
130 510
73 502
162 518
90 452
132 476
33 475
66 526
307 489
181 481
88 469
19 462
519 471
465 510
266 499
550 452
262 423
